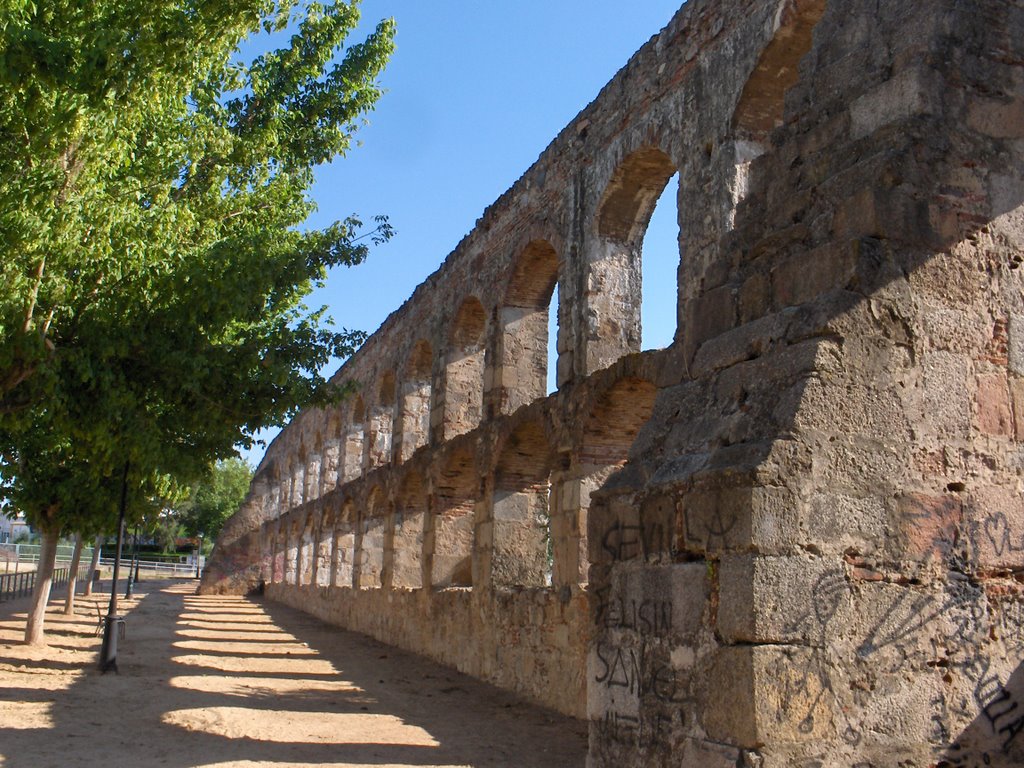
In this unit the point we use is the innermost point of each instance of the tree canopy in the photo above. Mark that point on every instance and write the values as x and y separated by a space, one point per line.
152 188
214 498
153 258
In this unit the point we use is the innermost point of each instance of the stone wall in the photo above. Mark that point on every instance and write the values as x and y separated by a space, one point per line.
796 536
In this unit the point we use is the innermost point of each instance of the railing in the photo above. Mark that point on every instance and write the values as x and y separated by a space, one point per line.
155 568
15 585
29 553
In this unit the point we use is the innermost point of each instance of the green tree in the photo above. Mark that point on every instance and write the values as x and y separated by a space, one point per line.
152 255
215 498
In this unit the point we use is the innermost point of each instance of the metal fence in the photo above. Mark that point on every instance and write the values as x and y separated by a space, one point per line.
152 567
14 585
29 553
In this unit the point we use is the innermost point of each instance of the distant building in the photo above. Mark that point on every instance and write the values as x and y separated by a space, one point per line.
12 528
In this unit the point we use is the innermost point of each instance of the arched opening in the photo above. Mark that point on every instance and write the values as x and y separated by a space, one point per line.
275 507
344 545
760 108
614 283
369 543
660 251
277 553
313 469
464 372
299 477
612 426
405 544
761 105
382 418
293 544
352 448
522 373
331 453
450 535
287 486
414 414
520 516
324 547
306 552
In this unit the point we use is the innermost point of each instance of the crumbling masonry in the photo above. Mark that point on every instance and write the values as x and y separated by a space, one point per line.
795 537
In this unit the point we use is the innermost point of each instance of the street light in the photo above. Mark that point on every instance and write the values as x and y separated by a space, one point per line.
108 651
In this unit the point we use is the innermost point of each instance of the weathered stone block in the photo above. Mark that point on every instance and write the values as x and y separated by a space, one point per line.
667 601
767 693
907 94
779 599
995 516
929 526
993 413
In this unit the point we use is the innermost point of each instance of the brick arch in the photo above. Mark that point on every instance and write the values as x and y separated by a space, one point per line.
629 199
343 550
520 515
331 451
404 543
614 263
369 541
521 375
413 428
464 369
380 423
353 440
450 532
761 104
614 421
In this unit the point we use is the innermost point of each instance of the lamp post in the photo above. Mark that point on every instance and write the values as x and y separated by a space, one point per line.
199 554
133 572
108 651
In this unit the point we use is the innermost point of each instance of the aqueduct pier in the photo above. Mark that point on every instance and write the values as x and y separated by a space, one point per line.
795 537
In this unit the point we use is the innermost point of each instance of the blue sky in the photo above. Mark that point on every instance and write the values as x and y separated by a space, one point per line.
475 91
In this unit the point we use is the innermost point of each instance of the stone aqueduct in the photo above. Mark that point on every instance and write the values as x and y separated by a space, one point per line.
796 535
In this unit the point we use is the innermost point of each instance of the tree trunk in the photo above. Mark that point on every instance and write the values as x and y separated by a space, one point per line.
93 565
41 593
76 559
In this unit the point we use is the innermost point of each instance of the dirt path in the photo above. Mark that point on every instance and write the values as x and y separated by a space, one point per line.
229 682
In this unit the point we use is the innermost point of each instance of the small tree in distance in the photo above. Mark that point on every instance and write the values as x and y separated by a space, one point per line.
215 498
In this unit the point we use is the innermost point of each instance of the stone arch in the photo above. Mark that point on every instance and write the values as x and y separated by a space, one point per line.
352 448
323 549
407 527
464 369
614 285
307 550
290 530
614 422
450 532
331 452
520 516
612 425
761 104
369 542
299 475
343 554
413 428
380 423
521 375
279 548
314 466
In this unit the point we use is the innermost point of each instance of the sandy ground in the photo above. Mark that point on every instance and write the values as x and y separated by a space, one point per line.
232 682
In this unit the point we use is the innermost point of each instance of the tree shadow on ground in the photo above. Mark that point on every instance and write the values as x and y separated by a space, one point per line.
363 704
